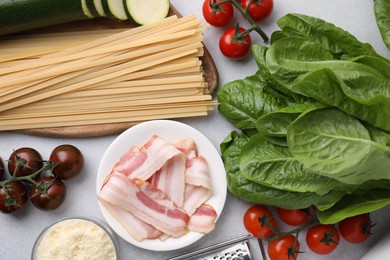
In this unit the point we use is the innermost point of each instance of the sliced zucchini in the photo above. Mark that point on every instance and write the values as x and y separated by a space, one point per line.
147 11
106 9
86 10
99 7
117 9
91 8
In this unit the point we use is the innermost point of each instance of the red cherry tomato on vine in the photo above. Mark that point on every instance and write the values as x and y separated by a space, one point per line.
284 248
33 161
17 197
294 217
259 221
220 17
356 229
322 239
258 10
231 49
50 194
70 161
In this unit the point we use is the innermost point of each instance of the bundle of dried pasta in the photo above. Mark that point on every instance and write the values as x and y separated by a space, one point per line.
108 76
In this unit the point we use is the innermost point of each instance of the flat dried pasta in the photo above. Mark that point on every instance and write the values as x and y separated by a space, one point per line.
103 76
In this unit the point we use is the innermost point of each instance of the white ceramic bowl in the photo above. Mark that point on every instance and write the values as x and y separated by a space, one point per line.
171 131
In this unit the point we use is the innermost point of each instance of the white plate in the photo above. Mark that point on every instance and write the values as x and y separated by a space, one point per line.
171 131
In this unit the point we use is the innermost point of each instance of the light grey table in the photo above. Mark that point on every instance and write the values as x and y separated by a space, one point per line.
18 232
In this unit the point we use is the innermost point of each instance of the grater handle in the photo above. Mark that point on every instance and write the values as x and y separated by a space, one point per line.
212 247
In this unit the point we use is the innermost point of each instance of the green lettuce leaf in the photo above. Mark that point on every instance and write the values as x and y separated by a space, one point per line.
242 102
274 166
275 123
334 144
360 87
336 40
247 190
355 204
382 16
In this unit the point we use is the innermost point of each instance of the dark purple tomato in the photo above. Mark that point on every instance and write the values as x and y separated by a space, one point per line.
69 161
50 193
28 159
13 197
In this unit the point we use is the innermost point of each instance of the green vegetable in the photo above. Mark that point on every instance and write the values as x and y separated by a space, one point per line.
382 15
243 101
355 204
318 112
274 166
253 192
334 144
21 15
117 9
275 123
340 43
359 86
145 12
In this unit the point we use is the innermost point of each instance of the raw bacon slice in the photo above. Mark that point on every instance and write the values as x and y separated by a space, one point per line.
137 228
194 197
170 179
203 220
146 202
142 163
197 173
188 147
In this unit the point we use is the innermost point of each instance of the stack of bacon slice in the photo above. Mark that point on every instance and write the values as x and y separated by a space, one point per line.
160 190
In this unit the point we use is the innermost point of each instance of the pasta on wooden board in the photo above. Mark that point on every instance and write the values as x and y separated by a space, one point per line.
104 76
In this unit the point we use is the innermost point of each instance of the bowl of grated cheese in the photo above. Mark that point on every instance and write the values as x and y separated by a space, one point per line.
76 238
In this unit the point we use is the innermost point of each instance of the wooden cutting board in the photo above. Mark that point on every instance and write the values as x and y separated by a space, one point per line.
210 71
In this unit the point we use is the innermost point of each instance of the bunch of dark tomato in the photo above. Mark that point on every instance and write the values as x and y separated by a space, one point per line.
41 181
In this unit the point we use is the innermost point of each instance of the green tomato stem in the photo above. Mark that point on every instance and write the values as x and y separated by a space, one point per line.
254 25
29 178
294 231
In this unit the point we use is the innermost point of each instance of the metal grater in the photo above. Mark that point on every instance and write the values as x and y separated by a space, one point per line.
236 252
234 249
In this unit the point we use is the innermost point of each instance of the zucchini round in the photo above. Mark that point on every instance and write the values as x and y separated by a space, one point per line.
99 7
147 11
117 9
91 9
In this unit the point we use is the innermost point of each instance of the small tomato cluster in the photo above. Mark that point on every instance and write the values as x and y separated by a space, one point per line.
322 239
41 181
235 41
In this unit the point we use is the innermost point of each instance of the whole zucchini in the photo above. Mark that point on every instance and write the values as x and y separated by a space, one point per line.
21 15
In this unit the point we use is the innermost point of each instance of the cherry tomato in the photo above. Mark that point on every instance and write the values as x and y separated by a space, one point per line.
33 161
49 195
295 217
220 17
70 161
17 197
258 10
259 221
231 49
1 169
284 248
322 239
356 229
